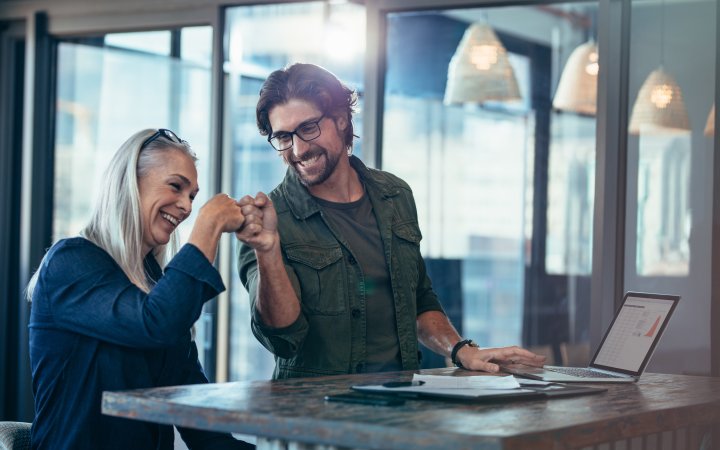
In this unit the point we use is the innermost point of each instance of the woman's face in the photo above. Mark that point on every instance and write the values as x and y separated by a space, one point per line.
166 195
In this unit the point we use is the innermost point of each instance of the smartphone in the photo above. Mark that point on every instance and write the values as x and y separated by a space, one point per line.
365 399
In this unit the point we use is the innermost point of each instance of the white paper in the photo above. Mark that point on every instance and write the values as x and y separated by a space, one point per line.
471 382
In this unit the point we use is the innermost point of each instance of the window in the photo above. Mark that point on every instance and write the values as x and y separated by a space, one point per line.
113 86
504 187
263 39
669 197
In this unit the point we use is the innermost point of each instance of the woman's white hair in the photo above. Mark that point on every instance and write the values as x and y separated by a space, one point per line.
117 225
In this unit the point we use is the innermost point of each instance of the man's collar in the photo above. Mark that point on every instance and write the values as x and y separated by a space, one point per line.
299 200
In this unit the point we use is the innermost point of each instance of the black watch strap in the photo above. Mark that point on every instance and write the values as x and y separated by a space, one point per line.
456 349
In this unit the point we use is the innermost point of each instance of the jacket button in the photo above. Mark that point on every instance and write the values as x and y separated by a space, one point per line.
356 313
351 260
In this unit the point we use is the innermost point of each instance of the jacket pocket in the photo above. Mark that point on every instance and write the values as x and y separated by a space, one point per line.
321 273
409 232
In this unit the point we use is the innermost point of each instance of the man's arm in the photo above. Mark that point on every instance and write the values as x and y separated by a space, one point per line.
277 303
437 333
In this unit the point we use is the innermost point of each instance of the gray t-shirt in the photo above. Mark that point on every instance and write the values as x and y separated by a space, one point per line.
356 223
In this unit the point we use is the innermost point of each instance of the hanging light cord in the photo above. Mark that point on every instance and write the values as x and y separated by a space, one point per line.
662 34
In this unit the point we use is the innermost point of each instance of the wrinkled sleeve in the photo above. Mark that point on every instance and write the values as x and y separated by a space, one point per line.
81 289
283 342
426 298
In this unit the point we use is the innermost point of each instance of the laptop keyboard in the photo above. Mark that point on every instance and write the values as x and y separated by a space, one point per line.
581 372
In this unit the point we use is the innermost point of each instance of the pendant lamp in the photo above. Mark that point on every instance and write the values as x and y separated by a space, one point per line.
577 89
480 70
659 107
710 126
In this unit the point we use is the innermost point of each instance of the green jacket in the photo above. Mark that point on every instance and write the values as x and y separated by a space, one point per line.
328 338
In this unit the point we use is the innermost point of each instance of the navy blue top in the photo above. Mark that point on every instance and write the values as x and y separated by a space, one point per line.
92 330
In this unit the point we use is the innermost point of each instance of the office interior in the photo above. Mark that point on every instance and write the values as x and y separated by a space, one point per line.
584 169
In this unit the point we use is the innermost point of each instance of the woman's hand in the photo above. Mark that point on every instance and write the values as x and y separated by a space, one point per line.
221 214
223 211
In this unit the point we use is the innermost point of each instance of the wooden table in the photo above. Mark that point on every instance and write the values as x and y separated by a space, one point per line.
660 411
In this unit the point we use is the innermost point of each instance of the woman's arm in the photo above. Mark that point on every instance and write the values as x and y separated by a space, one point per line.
81 289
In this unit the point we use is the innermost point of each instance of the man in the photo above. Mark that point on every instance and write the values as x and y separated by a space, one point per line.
335 276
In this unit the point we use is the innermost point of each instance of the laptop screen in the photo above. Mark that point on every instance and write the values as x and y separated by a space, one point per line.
634 333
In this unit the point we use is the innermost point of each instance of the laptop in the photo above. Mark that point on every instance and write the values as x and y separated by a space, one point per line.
624 351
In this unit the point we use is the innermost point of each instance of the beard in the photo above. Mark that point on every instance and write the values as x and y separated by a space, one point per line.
330 163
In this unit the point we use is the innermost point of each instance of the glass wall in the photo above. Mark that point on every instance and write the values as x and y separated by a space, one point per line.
261 39
112 86
670 158
504 182
504 185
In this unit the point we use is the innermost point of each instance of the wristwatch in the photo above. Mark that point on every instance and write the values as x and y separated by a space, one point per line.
457 347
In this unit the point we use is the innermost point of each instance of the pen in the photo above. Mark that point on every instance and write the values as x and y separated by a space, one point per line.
396 384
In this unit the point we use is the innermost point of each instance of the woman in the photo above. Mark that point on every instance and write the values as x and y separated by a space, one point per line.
105 314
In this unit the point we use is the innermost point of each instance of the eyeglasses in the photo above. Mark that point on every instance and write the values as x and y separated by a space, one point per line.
167 134
307 131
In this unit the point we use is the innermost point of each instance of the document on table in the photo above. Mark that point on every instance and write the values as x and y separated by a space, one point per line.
478 388
470 387
471 382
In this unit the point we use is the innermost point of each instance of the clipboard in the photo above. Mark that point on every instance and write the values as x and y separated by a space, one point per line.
527 392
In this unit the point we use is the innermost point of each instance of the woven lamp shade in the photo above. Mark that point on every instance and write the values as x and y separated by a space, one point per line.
659 107
480 71
710 126
577 89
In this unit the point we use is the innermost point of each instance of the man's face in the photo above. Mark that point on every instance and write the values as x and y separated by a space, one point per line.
313 161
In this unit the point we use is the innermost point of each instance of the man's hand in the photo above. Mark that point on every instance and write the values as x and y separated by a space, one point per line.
260 228
474 358
277 304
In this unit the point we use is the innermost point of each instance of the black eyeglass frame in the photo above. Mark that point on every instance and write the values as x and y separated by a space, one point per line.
167 134
296 132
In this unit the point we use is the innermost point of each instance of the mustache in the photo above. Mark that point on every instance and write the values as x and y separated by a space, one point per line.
307 155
